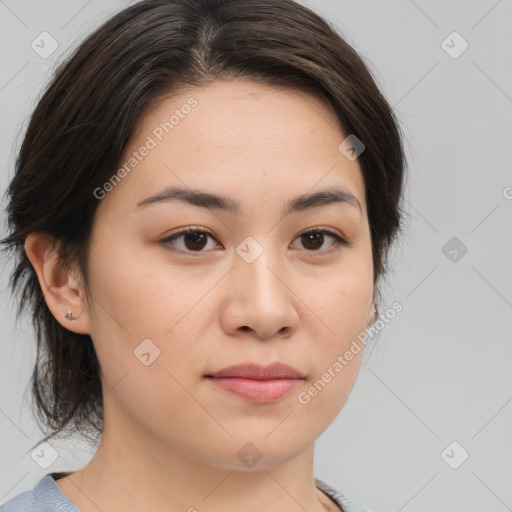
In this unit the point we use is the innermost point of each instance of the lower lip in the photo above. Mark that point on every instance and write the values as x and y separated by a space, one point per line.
260 391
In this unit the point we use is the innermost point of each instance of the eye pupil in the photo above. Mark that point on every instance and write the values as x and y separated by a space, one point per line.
195 237
314 237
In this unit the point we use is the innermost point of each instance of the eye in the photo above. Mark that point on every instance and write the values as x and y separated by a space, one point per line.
314 239
191 240
195 240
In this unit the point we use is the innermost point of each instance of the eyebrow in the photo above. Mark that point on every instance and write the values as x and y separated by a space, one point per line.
212 201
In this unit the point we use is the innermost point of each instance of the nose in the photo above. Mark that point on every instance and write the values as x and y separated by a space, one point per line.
260 298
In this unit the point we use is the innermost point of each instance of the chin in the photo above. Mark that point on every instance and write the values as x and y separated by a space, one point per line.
255 454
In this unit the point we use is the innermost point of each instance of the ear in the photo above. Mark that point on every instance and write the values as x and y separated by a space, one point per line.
372 315
61 287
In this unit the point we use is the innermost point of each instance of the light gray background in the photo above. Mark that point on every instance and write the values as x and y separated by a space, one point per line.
440 371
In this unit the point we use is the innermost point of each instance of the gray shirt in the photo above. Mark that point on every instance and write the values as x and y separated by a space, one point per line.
46 496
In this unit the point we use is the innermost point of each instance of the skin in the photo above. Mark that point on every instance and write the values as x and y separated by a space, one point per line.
170 438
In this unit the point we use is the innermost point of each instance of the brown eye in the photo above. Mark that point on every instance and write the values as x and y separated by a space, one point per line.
314 239
189 241
195 240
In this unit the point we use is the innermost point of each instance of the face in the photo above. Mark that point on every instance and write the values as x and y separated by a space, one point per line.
252 282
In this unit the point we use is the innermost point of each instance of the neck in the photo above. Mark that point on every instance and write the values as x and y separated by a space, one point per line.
132 470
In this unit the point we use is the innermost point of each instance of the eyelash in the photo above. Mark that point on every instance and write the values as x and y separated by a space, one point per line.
338 240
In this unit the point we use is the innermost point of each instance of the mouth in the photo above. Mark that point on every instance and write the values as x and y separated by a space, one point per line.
259 384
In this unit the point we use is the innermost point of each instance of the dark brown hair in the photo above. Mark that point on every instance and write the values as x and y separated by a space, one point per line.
82 124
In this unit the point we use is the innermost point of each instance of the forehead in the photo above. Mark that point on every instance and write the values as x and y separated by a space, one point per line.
236 113
238 138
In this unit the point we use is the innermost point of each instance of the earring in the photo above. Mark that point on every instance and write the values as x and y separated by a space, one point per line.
69 316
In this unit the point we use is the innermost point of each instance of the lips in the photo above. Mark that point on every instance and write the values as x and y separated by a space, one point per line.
258 372
256 383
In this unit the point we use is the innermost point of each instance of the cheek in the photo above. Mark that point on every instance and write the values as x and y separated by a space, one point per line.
324 395
338 308
335 355
138 298
145 323
147 315
339 299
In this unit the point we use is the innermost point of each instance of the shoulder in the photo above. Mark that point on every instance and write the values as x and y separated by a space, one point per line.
44 497
341 499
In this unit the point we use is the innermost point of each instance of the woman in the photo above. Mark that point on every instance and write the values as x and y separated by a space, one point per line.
201 212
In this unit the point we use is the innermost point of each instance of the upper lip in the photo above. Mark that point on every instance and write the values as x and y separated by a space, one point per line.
259 372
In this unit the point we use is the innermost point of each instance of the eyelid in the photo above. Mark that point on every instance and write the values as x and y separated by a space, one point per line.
326 230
